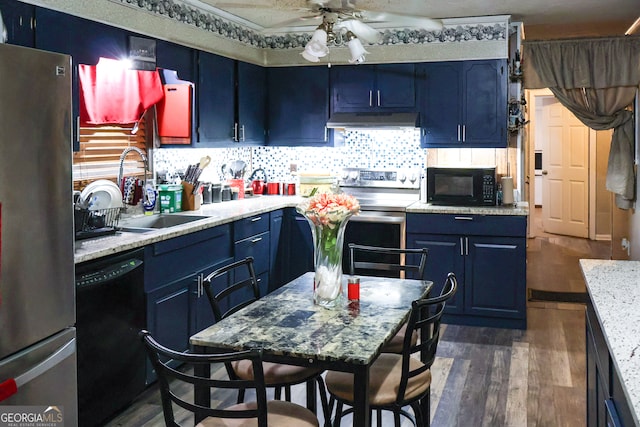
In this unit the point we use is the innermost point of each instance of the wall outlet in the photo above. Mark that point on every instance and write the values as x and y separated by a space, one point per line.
293 167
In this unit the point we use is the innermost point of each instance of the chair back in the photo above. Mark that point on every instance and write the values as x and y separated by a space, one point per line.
425 319
242 291
387 261
173 381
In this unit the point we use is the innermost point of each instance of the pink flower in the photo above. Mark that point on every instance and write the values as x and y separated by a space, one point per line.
327 209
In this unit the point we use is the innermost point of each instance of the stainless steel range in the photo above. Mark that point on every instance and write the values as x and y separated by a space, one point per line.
384 195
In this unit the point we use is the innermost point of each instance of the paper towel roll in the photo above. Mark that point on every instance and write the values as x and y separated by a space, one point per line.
507 190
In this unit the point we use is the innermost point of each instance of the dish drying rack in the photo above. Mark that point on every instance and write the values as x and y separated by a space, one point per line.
94 223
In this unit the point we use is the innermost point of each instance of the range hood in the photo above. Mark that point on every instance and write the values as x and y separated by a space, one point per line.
373 121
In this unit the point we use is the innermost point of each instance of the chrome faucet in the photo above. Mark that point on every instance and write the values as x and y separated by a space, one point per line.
144 159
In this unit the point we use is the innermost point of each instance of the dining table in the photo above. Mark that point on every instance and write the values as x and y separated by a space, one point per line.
289 328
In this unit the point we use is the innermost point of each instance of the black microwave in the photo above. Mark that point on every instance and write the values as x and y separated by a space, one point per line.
461 186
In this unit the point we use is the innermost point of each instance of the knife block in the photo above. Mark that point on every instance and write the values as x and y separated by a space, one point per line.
190 201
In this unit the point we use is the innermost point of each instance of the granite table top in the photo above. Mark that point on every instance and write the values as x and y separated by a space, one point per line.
614 288
287 323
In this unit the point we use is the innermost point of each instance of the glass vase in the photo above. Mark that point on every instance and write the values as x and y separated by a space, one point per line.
328 239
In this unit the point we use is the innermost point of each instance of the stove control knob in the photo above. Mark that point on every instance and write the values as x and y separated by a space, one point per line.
402 178
413 178
353 175
345 175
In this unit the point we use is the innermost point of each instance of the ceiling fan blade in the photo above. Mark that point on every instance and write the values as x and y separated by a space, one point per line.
290 24
399 20
363 31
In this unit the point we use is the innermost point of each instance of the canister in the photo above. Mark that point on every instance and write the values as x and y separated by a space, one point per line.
216 193
226 192
206 193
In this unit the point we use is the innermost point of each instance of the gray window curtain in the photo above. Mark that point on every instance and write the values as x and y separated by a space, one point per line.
596 79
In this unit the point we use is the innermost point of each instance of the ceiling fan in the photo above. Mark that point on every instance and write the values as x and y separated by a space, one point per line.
341 22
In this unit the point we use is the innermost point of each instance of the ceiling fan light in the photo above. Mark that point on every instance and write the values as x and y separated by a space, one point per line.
309 57
317 46
357 50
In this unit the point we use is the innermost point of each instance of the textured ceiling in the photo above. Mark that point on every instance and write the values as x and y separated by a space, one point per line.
269 13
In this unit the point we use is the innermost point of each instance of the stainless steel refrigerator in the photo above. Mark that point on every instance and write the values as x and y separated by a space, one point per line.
37 300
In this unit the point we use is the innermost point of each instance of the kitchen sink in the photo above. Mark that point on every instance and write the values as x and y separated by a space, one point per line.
155 222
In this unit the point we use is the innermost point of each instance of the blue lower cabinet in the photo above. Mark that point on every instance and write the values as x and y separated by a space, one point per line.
444 257
488 256
252 237
173 271
257 247
607 403
201 312
168 317
299 248
277 244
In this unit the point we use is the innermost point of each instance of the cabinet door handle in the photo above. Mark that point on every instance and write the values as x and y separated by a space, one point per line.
370 98
464 133
256 240
258 218
379 104
326 134
242 130
463 218
461 247
466 246
235 132
198 291
458 132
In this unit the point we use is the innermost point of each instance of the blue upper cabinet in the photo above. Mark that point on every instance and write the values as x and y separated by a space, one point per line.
177 58
440 97
19 22
86 41
251 103
463 103
298 106
215 97
231 102
373 88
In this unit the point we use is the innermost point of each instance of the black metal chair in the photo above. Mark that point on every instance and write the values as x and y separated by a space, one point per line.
261 413
388 262
400 380
227 300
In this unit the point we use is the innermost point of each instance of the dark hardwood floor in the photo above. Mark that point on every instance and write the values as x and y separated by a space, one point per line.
490 376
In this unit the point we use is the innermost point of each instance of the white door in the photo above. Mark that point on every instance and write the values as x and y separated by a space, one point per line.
565 170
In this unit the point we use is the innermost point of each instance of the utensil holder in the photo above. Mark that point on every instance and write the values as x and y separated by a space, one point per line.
190 201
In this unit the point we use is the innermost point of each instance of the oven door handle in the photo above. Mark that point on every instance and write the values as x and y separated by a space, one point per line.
378 218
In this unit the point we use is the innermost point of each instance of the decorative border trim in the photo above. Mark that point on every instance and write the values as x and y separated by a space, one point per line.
207 21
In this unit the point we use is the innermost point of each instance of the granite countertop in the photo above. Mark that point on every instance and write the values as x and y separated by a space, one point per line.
226 212
614 287
218 213
519 209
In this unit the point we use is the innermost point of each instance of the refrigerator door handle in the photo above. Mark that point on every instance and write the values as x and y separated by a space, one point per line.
10 387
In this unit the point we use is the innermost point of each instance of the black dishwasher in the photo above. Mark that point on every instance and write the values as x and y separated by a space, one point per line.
110 311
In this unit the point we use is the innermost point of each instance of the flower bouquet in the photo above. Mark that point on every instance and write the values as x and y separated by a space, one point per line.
328 214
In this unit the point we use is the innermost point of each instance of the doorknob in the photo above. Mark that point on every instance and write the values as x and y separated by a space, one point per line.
544 172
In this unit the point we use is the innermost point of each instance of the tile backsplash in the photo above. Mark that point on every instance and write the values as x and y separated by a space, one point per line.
381 149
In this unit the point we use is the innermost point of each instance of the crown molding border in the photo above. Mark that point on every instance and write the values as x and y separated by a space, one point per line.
486 29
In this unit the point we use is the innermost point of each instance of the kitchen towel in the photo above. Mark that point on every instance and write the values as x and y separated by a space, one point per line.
110 93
